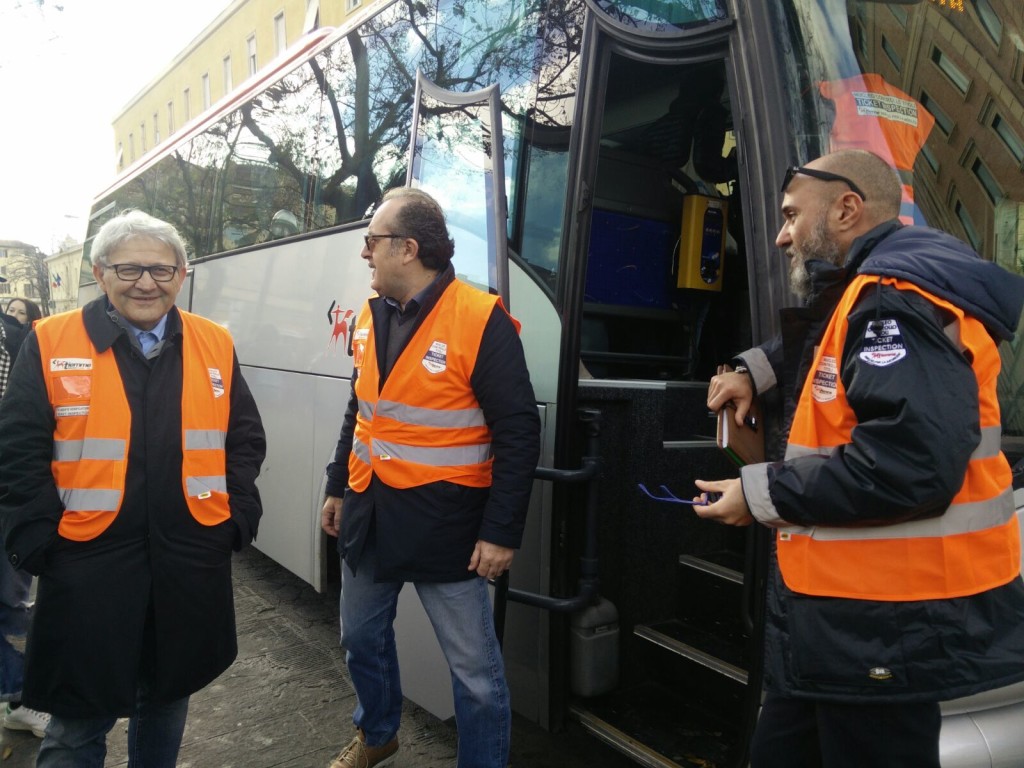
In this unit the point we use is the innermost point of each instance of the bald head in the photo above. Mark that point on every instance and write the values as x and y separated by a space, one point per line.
875 177
828 204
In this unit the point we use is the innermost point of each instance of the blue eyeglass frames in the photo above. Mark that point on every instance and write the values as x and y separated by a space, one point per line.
710 498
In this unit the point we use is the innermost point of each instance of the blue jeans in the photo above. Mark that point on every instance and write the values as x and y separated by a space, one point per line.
154 736
460 613
14 619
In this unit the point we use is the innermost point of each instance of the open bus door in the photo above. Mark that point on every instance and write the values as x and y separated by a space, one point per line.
456 156
658 299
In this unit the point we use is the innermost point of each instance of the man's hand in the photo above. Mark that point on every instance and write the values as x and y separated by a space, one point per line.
731 509
731 387
330 516
490 560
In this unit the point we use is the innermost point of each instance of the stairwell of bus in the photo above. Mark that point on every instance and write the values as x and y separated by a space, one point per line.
655 324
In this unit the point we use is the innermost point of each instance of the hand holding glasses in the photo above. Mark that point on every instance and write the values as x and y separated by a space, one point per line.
708 498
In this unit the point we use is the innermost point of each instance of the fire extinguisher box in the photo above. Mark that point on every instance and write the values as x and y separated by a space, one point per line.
702 243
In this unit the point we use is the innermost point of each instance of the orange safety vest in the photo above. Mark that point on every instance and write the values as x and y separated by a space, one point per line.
92 435
425 424
972 547
875 115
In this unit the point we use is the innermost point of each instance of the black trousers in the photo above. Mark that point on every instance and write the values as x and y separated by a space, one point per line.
797 733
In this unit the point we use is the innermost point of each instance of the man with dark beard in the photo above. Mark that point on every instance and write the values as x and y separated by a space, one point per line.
895 581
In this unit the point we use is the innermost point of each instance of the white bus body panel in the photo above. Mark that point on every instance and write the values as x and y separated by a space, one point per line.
275 301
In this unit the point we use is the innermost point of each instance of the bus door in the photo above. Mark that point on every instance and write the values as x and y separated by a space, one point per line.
457 156
661 298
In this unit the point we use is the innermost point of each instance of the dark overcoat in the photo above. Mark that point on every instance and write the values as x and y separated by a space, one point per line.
149 601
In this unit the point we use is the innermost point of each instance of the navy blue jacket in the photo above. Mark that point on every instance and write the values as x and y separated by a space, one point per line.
918 424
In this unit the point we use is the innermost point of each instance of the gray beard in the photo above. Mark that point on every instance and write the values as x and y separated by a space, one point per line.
818 246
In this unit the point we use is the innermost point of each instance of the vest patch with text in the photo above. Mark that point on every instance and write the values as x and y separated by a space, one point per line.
823 385
436 359
883 344
216 381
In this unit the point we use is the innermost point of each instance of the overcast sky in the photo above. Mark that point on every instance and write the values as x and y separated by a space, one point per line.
66 68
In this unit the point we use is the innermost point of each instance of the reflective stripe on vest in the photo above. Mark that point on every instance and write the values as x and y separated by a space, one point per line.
91 438
973 546
426 424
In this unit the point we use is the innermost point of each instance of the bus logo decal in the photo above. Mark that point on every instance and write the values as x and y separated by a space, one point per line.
339 319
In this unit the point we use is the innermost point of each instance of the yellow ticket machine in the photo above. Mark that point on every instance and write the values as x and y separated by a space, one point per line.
702 243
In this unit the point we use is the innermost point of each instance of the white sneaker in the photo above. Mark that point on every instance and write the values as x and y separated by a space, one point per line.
25 719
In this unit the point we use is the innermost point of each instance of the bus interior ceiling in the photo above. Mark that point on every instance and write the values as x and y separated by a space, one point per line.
655 326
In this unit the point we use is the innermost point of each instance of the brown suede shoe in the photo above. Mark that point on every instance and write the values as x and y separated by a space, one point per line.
357 754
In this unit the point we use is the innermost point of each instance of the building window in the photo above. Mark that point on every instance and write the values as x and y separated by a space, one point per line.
142 135
989 20
280 40
943 120
987 180
1009 137
956 75
900 13
312 19
250 47
206 90
170 117
186 97
120 154
156 129
227 74
353 4
969 229
929 156
131 147
894 57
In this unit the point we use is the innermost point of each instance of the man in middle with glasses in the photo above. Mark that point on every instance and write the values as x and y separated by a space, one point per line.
896 576
431 479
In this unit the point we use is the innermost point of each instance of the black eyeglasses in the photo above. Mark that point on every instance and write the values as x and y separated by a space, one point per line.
823 176
370 240
162 273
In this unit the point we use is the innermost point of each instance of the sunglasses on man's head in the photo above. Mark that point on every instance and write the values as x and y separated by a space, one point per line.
822 175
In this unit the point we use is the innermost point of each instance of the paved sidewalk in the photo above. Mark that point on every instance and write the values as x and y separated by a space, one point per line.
286 702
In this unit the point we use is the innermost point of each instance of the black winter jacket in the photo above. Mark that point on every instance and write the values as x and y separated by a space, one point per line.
151 596
918 424
428 532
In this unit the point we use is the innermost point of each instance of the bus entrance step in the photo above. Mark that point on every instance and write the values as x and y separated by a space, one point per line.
710 647
710 591
657 728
